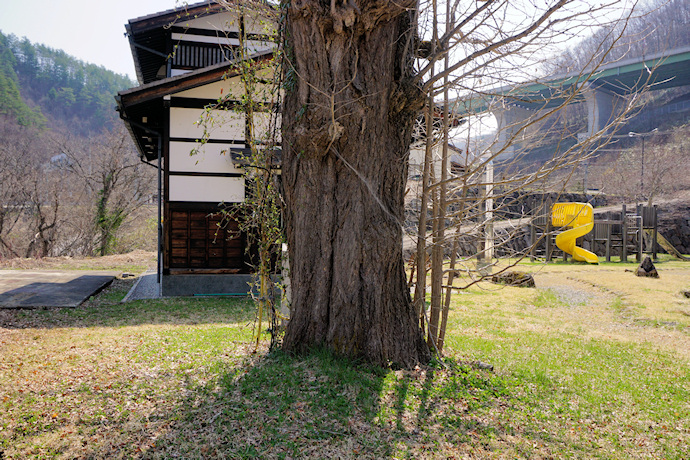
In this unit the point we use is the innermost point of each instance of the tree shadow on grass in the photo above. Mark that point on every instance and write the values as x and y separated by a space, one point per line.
321 406
281 406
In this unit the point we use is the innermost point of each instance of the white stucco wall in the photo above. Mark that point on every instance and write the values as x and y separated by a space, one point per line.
211 158
206 189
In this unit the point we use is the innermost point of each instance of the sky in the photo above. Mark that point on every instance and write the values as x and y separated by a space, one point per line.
92 31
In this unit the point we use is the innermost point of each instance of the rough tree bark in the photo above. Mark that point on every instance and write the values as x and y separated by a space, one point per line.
347 121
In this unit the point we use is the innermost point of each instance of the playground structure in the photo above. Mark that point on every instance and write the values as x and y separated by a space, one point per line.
609 233
579 216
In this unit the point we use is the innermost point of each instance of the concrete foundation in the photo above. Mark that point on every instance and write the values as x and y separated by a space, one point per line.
189 285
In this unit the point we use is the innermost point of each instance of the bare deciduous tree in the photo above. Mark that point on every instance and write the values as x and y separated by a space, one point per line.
353 91
537 154
13 166
111 179
62 195
646 166
43 209
21 153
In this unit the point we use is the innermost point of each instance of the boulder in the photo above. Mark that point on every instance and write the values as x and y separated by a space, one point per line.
519 279
647 268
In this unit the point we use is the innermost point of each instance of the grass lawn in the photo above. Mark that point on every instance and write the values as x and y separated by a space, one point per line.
594 363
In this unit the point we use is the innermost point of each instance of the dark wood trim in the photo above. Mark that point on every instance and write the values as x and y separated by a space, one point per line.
166 237
168 50
198 103
176 84
166 188
201 206
204 32
209 141
205 271
201 103
158 89
260 38
165 18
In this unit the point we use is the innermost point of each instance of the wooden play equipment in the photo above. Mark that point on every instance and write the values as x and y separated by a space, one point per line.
653 238
579 218
621 233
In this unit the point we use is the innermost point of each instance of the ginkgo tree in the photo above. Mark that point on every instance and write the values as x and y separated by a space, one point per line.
356 75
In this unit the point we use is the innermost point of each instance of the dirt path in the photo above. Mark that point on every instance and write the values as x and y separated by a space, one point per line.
613 304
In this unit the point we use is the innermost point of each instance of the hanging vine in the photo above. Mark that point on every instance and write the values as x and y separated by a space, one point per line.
257 99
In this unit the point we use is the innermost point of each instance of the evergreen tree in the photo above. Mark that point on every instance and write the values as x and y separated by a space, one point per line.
11 103
70 92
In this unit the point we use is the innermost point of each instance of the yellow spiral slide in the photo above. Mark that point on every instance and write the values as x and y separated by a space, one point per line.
580 216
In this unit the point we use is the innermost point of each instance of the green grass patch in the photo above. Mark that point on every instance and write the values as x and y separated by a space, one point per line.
179 378
547 298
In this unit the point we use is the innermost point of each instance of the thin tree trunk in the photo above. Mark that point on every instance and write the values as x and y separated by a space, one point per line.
420 286
443 206
347 122
449 290
436 264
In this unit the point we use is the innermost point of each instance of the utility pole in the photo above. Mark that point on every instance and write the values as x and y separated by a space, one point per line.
642 136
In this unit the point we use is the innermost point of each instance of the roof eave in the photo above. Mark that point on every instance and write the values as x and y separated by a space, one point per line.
165 18
184 82
128 124
135 53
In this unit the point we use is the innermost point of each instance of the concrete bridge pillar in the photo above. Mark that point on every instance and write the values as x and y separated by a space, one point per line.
602 108
510 120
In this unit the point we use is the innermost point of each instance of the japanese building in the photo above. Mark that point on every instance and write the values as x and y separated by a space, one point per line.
186 63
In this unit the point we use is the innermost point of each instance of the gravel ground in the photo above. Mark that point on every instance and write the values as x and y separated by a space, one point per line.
570 295
146 287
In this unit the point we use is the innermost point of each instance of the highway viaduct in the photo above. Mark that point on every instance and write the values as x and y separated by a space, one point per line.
604 89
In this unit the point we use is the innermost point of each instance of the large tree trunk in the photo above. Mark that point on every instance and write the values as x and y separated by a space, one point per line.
349 109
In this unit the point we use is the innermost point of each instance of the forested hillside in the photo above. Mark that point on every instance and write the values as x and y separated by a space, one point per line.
657 26
43 86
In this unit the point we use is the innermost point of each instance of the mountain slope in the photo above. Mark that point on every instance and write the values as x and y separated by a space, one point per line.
70 93
11 103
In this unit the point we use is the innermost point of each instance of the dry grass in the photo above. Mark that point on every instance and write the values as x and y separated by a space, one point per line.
592 364
619 304
93 382
136 261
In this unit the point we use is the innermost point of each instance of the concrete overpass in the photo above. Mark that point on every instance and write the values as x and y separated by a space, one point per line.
603 89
